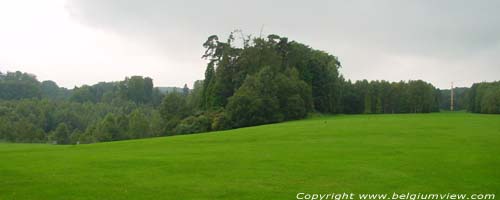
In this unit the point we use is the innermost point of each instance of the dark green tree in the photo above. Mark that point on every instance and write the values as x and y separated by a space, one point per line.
173 109
62 134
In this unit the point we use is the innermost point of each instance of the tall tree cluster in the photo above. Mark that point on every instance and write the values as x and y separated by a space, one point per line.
267 80
484 98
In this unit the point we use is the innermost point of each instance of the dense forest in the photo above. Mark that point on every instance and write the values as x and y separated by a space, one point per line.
269 80
248 81
484 98
33 111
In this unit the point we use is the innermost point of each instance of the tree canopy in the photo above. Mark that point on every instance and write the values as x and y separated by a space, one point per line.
248 81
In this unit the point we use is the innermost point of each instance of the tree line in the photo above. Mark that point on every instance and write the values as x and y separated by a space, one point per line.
248 81
385 97
33 111
479 98
484 98
65 122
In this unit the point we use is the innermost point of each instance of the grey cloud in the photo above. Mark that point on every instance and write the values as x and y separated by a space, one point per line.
361 33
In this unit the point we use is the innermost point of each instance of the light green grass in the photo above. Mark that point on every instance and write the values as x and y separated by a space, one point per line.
427 153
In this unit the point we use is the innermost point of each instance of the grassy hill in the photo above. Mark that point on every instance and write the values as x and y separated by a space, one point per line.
427 153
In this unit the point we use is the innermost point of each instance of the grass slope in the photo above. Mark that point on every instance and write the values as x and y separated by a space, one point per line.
427 153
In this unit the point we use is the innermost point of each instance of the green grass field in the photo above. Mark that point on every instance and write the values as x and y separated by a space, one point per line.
426 153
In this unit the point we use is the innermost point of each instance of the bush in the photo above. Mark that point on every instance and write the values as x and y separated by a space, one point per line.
220 121
193 124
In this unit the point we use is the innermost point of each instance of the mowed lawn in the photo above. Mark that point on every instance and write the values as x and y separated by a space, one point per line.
422 153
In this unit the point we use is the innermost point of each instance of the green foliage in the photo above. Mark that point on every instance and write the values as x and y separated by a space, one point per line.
193 124
137 89
156 124
50 90
253 104
325 82
195 96
32 120
62 134
220 120
83 94
484 98
76 137
269 97
138 126
385 97
26 131
107 129
18 85
208 95
269 80
185 90
173 109
460 101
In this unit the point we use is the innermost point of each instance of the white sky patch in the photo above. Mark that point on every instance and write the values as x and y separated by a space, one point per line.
40 37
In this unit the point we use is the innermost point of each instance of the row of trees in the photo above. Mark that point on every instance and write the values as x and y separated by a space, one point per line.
128 109
480 98
257 81
386 97
18 85
484 98
138 89
64 122
34 111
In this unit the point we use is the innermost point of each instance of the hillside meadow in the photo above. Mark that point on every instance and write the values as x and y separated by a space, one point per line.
426 153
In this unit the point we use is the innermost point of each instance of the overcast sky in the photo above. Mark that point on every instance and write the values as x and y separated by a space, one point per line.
75 42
